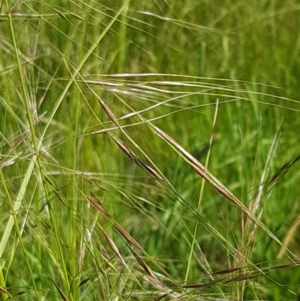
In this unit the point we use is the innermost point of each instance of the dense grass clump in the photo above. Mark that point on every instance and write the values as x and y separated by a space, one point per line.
148 150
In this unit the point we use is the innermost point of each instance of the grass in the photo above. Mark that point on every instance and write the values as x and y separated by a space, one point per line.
149 150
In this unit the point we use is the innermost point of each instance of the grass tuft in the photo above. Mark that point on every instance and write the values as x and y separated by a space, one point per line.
148 150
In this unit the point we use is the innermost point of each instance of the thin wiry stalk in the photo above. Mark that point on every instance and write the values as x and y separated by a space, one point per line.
201 196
